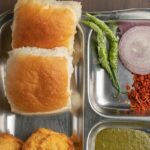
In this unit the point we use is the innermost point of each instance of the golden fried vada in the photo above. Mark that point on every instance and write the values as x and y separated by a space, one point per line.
45 139
9 142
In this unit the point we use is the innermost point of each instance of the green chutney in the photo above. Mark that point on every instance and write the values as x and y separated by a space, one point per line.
122 139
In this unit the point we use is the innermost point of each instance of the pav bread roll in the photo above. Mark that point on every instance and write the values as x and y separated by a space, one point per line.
45 139
38 80
9 142
45 23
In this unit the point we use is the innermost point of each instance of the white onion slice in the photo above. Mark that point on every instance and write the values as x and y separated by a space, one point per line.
134 49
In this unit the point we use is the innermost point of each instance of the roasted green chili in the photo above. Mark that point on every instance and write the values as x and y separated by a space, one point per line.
113 53
102 52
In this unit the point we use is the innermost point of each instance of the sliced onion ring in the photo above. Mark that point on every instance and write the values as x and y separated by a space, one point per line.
134 50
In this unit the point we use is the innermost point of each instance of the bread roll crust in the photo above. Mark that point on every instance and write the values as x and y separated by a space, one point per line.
37 84
37 24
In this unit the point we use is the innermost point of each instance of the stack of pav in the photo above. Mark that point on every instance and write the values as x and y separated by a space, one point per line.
39 67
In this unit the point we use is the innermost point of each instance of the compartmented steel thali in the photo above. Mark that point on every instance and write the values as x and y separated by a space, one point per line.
93 86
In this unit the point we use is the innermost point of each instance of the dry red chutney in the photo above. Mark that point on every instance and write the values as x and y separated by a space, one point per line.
139 93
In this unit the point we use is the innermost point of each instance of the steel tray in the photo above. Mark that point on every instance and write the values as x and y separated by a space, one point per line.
80 120
100 89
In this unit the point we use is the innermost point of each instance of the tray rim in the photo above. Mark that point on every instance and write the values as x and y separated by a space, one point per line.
116 11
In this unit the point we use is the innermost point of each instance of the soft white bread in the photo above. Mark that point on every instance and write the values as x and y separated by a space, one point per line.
45 23
38 80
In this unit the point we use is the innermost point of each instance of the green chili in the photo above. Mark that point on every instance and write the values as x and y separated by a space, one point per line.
113 53
102 52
